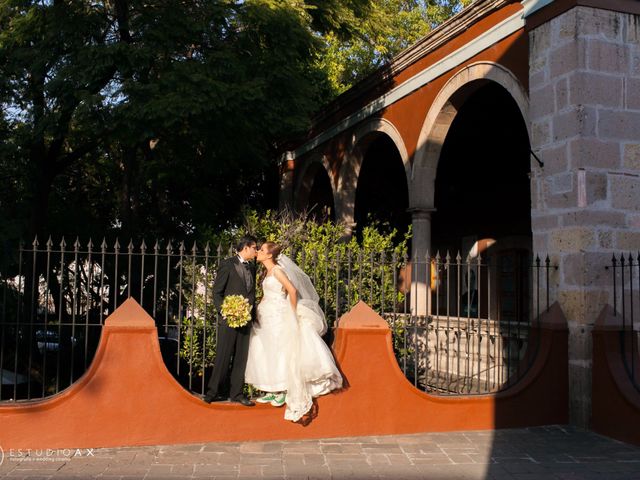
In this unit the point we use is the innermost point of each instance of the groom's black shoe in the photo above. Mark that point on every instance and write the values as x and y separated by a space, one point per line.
243 401
215 398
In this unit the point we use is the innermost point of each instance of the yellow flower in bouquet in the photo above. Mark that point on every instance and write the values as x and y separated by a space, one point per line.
236 311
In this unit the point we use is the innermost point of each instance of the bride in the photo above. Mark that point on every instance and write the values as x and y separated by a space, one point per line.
287 357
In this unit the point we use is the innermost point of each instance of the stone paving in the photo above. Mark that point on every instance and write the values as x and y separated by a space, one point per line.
545 453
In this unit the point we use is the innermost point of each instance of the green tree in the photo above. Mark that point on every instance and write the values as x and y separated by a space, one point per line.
342 271
137 117
166 116
390 27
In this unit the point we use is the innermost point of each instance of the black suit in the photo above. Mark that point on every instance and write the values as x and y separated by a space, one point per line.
233 278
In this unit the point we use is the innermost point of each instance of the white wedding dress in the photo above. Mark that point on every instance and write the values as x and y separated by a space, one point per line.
286 351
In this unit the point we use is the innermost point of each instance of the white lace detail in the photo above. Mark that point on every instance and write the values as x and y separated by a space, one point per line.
286 351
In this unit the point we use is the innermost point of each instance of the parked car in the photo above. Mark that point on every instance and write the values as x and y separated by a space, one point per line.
49 340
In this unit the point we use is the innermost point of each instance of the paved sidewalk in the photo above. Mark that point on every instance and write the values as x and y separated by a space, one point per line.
545 453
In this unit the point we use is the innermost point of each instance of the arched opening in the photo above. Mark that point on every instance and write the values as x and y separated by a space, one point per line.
320 204
482 187
382 193
483 201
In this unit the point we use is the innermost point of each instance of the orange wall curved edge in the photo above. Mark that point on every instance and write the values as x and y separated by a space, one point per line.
127 397
615 401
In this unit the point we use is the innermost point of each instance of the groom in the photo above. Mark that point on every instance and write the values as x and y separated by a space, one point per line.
236 276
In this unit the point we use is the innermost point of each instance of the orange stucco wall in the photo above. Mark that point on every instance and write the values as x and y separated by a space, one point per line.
615 401
127 397
408 114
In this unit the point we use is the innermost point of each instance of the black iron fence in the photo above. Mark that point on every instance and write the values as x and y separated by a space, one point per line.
625 271
469 328
460 326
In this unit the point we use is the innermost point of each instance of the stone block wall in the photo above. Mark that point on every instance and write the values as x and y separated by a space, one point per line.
585 126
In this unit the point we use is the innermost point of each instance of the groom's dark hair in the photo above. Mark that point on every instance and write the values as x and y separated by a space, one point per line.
245 241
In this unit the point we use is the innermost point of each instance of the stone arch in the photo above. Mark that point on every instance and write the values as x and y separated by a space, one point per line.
347 181
458 89
308 173
442 113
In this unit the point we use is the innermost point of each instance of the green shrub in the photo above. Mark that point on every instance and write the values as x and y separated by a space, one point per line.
344 270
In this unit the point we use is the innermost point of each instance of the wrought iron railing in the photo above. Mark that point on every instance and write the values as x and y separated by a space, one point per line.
471 333
460 326
625 271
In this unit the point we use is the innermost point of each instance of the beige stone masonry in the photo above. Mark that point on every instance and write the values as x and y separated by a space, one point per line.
635 63
595 153
631 157
592 218
619 124
585 125
632 97
546 222
596 88
561 93
625 191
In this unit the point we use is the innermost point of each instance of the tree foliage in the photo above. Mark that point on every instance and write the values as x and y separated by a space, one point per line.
166 116
390 27
343 272
160 118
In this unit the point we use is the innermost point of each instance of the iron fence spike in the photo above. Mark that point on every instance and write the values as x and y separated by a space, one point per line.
76 244
194 249
103 245
130 246
143 246
63 243
207 249
156 246
90 244
116 246
169 247
458 257
49 243
35 242
219 249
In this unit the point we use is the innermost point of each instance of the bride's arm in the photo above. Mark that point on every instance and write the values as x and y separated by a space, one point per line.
288 286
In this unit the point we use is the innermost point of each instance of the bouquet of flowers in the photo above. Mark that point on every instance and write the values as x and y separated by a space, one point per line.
236 310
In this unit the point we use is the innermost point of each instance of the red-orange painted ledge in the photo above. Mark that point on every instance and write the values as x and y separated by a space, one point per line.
615 400
127 397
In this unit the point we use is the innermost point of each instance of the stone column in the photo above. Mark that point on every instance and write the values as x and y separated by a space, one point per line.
584 82
420 246
287 167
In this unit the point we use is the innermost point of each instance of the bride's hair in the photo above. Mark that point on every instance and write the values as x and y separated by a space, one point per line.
274 249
